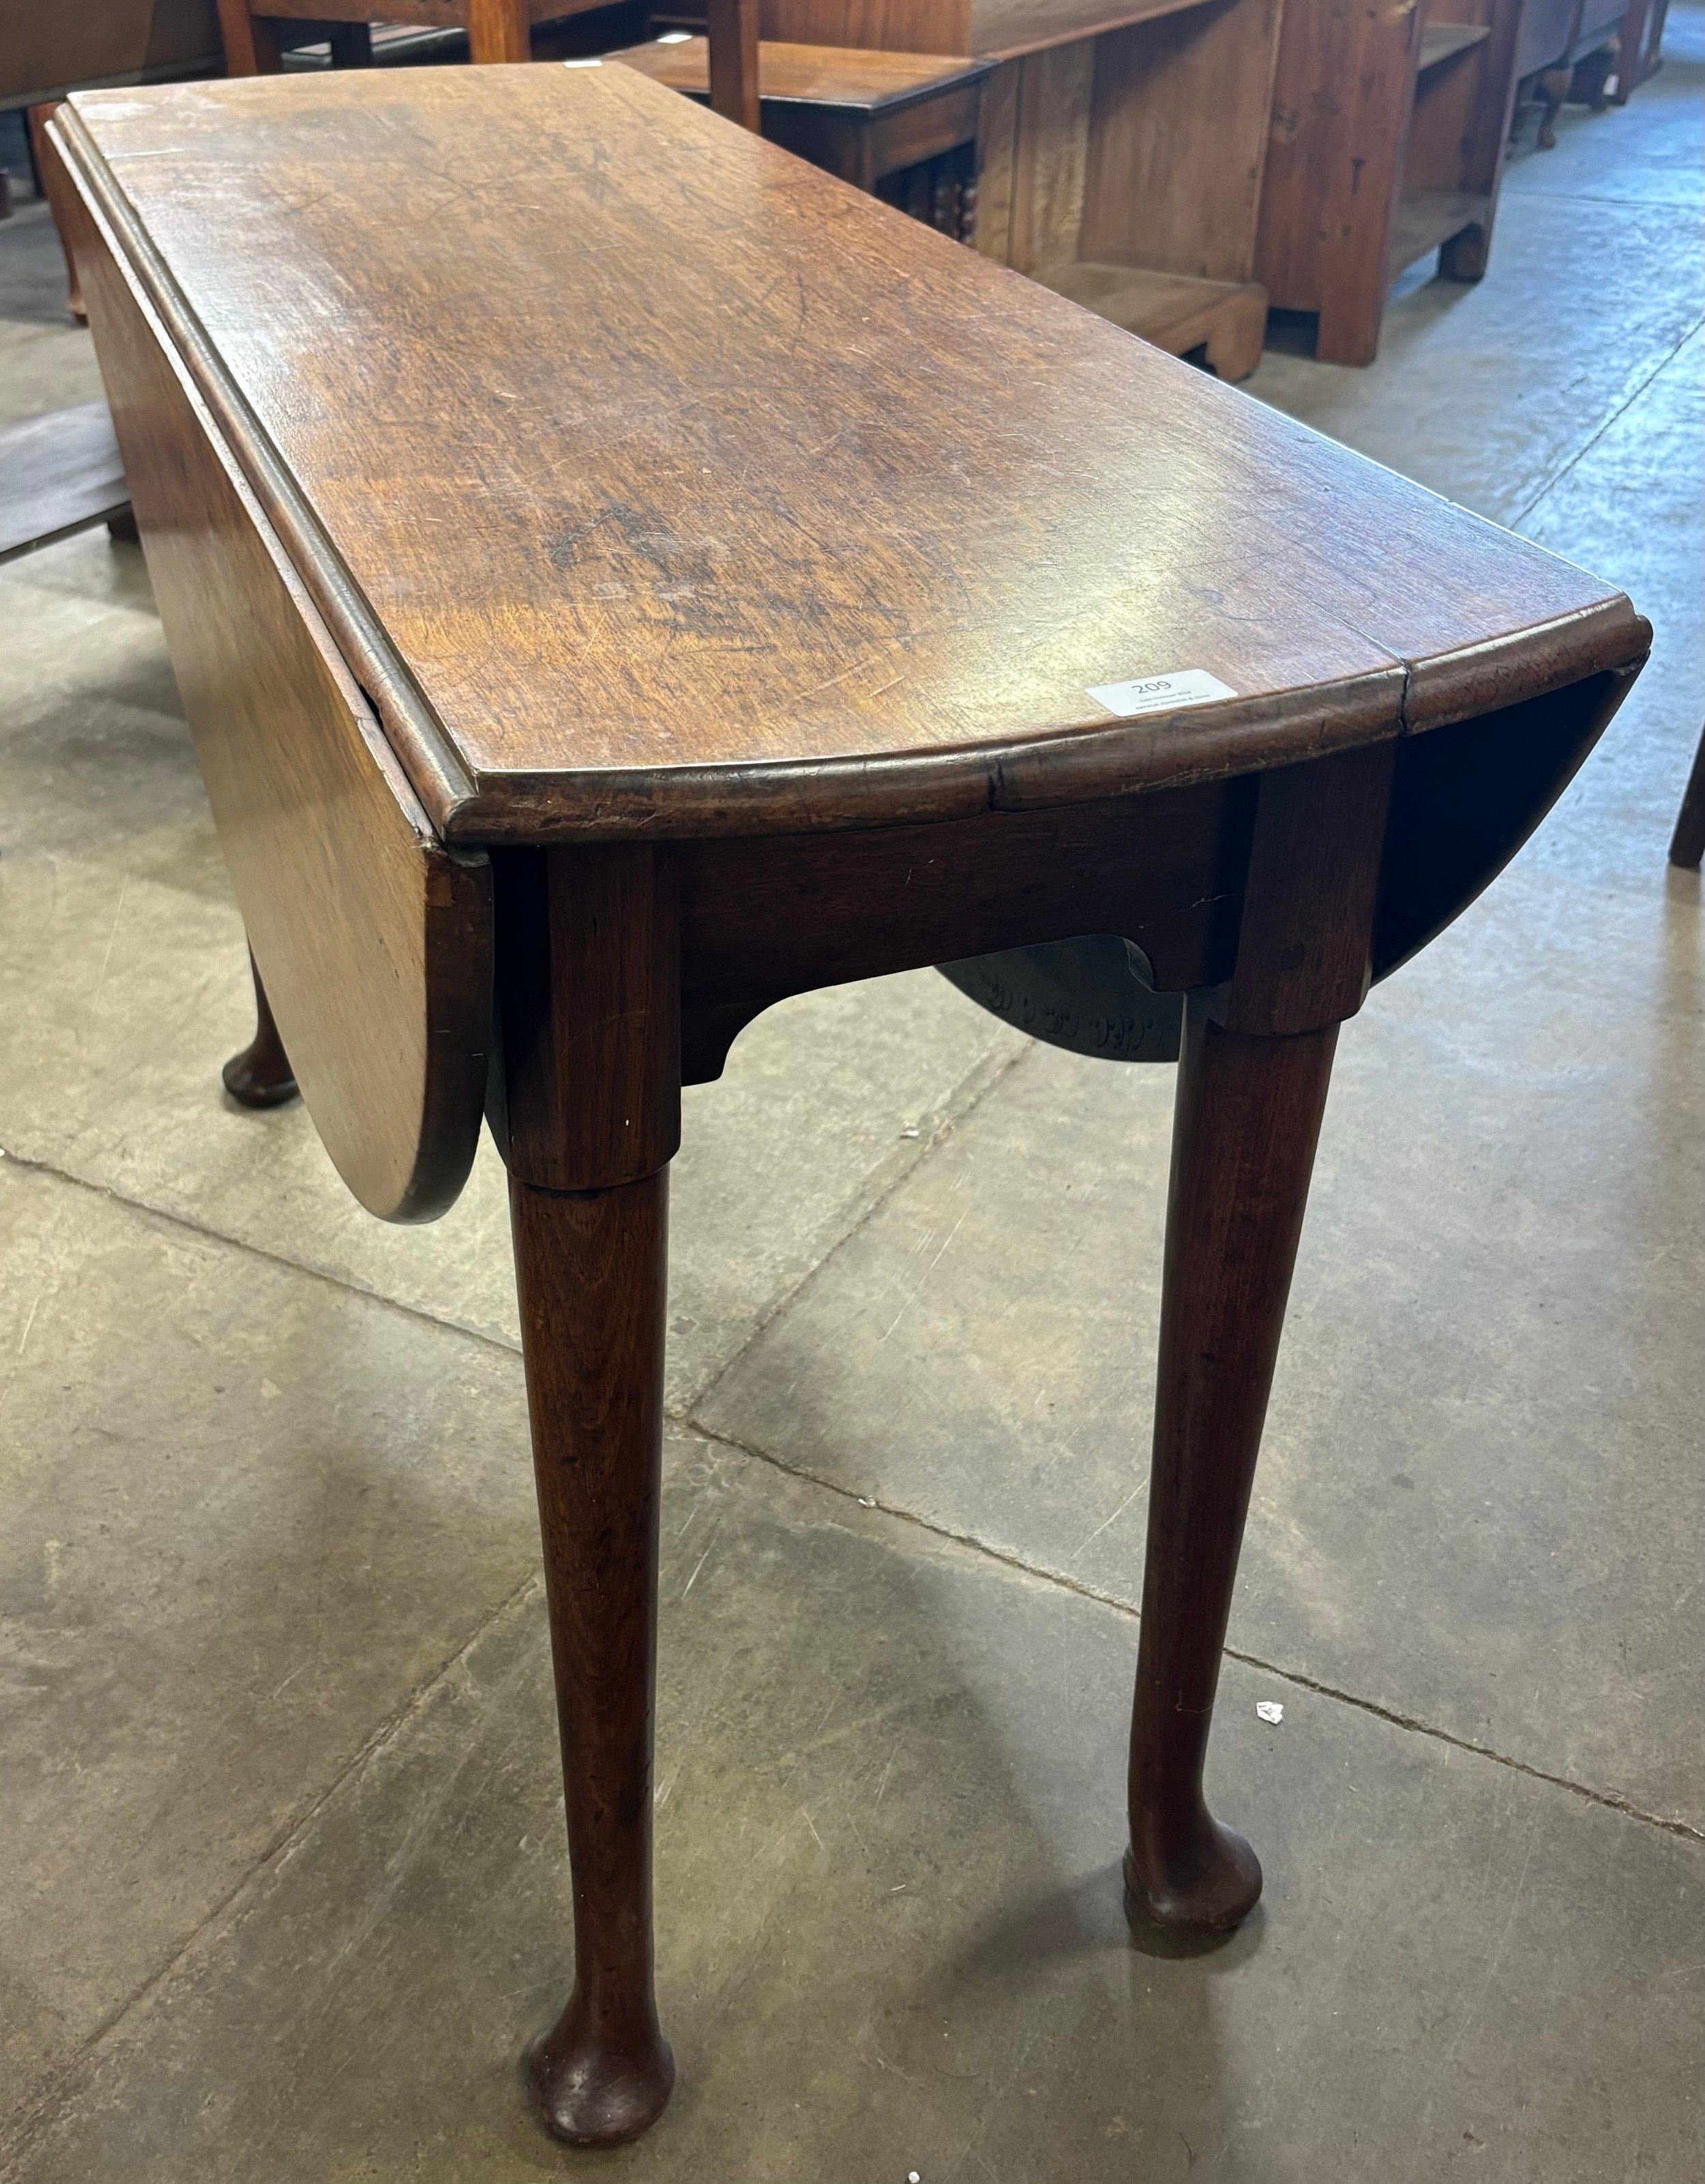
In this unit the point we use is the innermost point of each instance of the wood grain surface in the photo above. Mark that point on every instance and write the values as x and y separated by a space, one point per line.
1177 141
867 81
591 1278
374 942
997 30
824 520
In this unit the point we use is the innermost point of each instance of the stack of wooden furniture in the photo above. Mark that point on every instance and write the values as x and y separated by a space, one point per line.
1389 125
1124 143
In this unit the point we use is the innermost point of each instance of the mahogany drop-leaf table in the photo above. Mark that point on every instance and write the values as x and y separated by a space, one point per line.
619 576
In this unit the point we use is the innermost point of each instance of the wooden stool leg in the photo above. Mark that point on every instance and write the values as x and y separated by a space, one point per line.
260 1076
590 1267
1248 1119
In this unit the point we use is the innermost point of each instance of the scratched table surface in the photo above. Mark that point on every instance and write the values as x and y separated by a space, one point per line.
686 489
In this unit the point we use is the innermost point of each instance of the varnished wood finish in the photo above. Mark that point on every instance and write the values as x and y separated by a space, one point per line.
261 1075
588 1090
590 1273
1116 147
738 580
763 920
731 60
1387 142
1177 141
1306 938
1226 320
990 30
58 474
374 941
917 641
45 51
251 41
863 81
1251 1089
499 31
861 115
1247 1122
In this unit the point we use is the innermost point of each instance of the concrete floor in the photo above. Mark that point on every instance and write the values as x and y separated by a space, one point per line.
281 1883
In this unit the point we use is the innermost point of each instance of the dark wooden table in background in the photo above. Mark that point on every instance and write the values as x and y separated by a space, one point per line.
611 565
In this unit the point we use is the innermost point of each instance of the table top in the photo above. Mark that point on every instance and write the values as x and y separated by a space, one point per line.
853 78
656 483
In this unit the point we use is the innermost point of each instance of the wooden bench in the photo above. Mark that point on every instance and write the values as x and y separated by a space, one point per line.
766 593
1388 126
1123 145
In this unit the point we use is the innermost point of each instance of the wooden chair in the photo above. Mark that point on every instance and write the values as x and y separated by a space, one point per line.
1389 127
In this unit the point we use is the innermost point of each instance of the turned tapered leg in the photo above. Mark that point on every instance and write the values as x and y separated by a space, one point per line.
1247 1122
590 1267
260 1076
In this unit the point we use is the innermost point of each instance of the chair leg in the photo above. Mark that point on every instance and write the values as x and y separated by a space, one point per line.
591 1271
260 1076
1248 1119
1687 844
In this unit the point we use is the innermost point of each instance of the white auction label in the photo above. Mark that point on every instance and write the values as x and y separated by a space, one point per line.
1160 693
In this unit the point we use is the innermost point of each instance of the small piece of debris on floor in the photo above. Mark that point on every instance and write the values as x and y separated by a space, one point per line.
1270 1709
